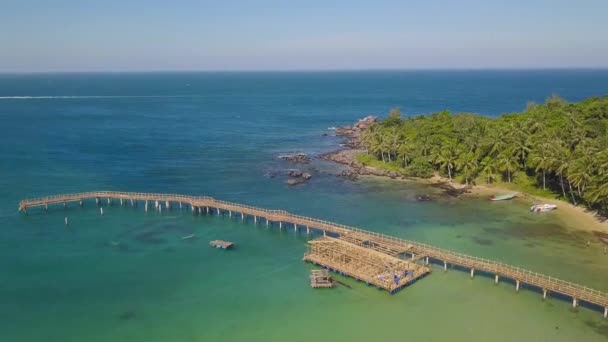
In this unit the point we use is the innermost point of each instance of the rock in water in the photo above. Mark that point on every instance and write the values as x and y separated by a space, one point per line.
296 181
294 173
306 175
296 158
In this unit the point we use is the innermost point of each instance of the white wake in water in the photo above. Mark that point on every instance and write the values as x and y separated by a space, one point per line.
92 97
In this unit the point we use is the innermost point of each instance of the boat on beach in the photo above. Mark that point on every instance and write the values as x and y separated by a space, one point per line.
503 197
537 208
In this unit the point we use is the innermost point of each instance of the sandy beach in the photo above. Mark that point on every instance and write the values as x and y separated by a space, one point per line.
576 217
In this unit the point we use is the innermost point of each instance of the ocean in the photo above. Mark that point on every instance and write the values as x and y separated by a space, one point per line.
129 276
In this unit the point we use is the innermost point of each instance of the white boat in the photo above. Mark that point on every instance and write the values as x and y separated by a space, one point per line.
537 208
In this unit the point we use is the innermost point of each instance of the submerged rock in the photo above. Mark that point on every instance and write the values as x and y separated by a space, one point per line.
294 173
424 198
301 158
296 181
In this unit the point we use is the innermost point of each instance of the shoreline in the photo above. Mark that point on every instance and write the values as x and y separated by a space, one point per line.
576 217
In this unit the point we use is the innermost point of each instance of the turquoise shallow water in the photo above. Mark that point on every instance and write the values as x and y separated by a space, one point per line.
219 134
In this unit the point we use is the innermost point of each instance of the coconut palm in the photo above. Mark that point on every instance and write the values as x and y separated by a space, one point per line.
541 158
446 158
507 162
488 168
467 163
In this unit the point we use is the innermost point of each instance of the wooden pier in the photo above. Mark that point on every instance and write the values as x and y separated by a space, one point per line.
320 279
372 267
378 242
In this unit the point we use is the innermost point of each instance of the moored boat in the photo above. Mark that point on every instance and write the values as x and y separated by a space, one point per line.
503 197
537 208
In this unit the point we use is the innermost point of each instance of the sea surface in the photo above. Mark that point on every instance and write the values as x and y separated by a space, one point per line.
129 275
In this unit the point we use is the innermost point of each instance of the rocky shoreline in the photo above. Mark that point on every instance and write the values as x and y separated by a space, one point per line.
352 147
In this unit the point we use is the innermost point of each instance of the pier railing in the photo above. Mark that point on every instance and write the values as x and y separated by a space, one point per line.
545 282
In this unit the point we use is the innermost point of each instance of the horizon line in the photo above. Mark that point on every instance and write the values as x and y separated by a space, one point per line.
574 68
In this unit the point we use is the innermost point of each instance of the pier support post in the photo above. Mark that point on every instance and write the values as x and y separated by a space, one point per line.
413 256
267 223
109 201
146 206
517 285
426 261
121 202
160 208
97 200
255 219
606 312
574 302
324 233
167 205
101 211
544 293
496 279
295 227
81 203
207 210
200 210
156 204
445 266
132 204
65 205
307 230
180 205
280 225
66 220
242 217
229 213
472 272
46 207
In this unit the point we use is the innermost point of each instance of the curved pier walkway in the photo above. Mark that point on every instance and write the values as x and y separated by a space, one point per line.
383 243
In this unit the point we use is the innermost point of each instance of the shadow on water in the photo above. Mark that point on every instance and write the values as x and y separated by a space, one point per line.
600 328
150 237
542 231
483 242
127 315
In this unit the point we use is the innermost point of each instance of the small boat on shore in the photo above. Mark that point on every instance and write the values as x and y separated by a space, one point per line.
537 208
503 197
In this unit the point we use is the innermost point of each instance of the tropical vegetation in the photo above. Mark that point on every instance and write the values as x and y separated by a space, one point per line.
560 147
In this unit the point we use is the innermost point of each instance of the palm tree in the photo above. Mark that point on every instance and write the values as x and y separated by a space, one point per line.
424 143
521 142
446 158
488 168
561 158
507 162
496 142
405 151
582 172
467 163
543 161
598 193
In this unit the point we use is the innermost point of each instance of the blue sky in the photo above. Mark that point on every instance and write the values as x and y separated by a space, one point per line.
139 35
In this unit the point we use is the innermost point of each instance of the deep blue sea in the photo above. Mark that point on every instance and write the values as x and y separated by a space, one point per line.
220 134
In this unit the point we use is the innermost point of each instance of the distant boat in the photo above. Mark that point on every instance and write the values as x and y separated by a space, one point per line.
502 197
537 208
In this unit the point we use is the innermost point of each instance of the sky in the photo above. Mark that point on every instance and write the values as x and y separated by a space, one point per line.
137 35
